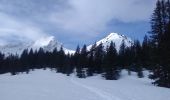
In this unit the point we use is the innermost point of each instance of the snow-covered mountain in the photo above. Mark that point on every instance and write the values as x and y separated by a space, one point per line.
115 38
47 43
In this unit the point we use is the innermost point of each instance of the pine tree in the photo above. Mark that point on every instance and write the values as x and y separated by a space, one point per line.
129 58
160 32
122 54
165 59
61 61
83 62
2 70
77 62
68 67
138 55
91 70
146 52
156 24
25 61
110 63
77 57
98 58
83 57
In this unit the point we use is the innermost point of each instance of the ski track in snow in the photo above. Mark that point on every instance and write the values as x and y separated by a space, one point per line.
42 85
104 95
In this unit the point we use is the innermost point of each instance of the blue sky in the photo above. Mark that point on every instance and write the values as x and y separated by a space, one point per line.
73 22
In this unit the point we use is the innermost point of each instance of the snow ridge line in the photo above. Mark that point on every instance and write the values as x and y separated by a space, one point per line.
102 94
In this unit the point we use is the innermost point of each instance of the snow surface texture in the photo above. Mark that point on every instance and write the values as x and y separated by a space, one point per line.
48 85
47 43
115 38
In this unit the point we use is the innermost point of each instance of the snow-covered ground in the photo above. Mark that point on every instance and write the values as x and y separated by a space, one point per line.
48 85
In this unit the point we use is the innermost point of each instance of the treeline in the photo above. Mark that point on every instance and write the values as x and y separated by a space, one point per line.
152 54
98 60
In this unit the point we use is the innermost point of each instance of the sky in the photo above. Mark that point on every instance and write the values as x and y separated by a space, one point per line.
73 22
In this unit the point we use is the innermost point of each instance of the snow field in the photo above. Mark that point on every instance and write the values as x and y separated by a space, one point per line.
48 85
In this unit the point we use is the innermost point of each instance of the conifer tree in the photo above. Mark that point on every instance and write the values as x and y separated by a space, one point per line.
83 57
61 60
77 56
91 65
138 53
160 32
2 70
146 52
122 54
110 63
98 58
83 62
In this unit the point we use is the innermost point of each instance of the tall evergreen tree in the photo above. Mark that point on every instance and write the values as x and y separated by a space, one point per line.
160 32
83 56
91 65
77 56
122 54
83 62
110 63
2 70
156 24
61 60
98 58
138 55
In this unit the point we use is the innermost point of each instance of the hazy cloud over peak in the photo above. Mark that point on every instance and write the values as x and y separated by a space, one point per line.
13 30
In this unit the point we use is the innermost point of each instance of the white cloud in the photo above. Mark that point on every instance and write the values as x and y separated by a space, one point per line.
94 15
13 29
27 20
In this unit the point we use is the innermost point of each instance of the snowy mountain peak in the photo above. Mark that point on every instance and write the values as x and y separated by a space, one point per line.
113 35
47 43
115 38
43 41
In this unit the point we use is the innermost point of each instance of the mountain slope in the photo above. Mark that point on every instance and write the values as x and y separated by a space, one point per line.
115 38
47 43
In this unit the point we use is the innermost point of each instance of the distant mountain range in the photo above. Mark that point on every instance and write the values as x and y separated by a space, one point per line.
49 43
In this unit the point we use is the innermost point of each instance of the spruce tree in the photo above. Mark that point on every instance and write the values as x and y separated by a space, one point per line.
77 57
91 70
110 63
146 52
83 62
160 32
2 70
98 58
122 54
61 60
156 24
138 55
83 57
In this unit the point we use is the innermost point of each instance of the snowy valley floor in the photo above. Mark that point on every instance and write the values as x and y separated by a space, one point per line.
48 85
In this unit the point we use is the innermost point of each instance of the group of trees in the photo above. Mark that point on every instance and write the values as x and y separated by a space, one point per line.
160 43
30 60
152 54
98 60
